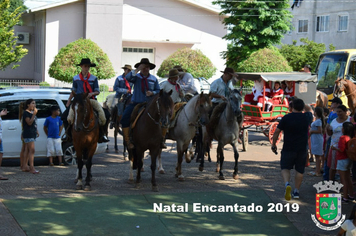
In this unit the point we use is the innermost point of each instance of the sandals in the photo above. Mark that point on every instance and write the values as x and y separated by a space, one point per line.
3 178
35 172
312 173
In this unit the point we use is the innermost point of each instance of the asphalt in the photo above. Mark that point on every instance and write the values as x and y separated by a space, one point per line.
258 171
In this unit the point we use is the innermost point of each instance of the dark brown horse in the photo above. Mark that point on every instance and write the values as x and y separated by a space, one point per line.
85 133
147 134
349 88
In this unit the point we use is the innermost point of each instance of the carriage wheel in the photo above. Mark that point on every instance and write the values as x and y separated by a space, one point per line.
273 128
244 139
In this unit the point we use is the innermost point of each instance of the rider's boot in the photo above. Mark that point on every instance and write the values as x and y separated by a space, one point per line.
111 126
102 136
126 133
164 131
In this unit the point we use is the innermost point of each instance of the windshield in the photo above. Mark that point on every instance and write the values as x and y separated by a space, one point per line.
331 67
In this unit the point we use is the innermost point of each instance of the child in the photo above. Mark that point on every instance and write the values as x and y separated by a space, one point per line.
343 164
53 127
349 226
2 113
316 136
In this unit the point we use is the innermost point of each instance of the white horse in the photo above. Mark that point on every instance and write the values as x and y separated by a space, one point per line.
226 131
194 113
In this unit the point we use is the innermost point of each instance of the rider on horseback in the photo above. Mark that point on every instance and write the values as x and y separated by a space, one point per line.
123 89
172 84
186 81
85 82
146 85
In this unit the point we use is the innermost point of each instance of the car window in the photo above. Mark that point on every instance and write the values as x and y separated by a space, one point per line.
12 109
44 107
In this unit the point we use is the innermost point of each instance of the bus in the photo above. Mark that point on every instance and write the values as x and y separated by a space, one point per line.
334 65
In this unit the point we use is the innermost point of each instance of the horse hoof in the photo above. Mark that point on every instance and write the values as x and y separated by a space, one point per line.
79 187
181 178
176 175
201 168
87 188
142 169
155 188
221 177
235 176
126 159
217 169
161 172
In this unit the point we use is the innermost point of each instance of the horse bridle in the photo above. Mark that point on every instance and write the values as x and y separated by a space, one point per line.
90 121
159 113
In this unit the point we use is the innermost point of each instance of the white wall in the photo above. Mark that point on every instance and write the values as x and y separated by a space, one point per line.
64 24
158 21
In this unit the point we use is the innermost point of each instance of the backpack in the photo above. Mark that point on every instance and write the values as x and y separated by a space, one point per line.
351 149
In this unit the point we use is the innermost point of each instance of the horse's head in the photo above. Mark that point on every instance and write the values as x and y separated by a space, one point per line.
235 101
165 107
339 87
204 106
80 110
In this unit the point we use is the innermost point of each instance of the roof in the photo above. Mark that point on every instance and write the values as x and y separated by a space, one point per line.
279 76
51 5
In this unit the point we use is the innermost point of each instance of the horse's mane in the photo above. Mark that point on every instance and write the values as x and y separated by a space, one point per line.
165 99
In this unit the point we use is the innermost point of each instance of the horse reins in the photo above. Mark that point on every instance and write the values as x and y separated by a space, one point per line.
159 113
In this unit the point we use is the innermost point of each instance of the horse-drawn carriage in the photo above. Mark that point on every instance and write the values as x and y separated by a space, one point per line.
304 87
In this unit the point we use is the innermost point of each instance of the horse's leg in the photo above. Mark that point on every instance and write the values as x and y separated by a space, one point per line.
131 166
80 167
87 186
236 156
139 160
125 151
115 139
221 151
160 167
154 154
179 162
217 160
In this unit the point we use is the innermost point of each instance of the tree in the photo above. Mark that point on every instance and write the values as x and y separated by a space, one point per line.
253 25
15 4
306 53
193 61
10 52
64 66
265 60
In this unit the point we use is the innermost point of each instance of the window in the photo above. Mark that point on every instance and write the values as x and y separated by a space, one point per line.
343 23
43 106
142 50
322 23
12 109
302 26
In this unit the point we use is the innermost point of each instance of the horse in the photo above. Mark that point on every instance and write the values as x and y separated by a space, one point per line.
347 86
116 119
85 133
193 114
147 133
225 129
321 99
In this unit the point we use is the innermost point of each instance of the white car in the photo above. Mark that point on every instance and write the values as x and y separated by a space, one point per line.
45 98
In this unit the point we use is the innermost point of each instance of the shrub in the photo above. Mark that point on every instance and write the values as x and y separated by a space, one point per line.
45 84
64 66
104 88
193 61
265 60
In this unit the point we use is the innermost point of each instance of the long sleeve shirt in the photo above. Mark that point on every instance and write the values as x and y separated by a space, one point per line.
187 83
78 88
120 87
139 94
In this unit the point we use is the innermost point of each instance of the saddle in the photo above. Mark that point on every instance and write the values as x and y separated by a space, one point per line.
136 113
178 107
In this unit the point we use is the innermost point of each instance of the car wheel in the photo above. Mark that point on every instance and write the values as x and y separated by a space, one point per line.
69 154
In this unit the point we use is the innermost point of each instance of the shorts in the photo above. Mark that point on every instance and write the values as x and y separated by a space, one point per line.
28 140
294 159
54 147
1 148
332 159
344 164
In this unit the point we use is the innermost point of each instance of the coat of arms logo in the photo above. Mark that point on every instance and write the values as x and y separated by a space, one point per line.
328 205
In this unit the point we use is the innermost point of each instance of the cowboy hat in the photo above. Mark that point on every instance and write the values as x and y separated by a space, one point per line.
179 68
86 61
146 62
173 73
127 67
230 71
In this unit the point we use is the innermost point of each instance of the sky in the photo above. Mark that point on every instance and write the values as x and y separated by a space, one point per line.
37 3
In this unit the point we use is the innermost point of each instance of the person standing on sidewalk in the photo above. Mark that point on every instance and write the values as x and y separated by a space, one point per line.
295 126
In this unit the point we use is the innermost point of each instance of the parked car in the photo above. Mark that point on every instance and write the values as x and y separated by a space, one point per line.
200 83
45 98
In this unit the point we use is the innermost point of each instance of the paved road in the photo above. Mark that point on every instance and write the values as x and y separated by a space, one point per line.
258 169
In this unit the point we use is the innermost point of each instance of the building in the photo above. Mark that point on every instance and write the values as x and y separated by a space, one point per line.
328 22
126 30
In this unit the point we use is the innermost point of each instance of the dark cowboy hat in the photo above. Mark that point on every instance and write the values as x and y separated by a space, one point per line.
146 62
127 67
173 73
86 61
179 68
230 71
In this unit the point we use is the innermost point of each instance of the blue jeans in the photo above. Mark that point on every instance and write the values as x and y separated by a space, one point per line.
125 120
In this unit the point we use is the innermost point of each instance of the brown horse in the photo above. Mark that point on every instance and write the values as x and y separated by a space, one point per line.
85 133
321 99
147 134
349 88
